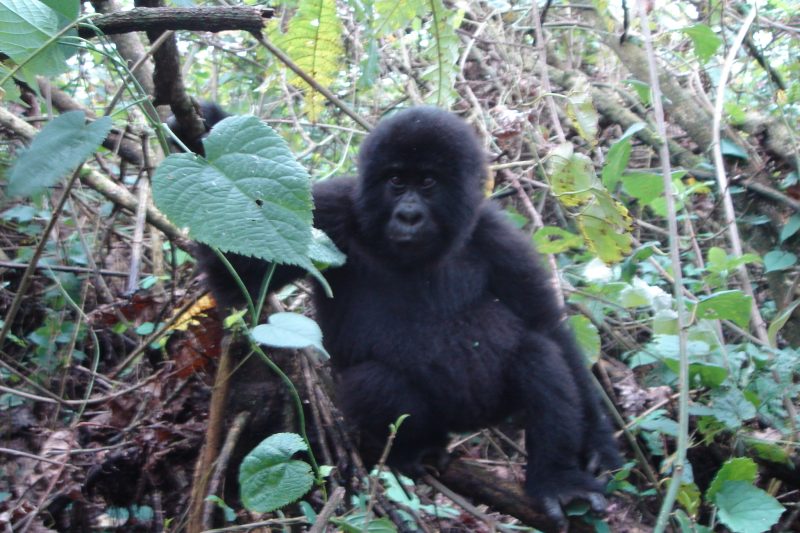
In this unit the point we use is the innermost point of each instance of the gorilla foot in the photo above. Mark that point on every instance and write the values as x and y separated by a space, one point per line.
553 506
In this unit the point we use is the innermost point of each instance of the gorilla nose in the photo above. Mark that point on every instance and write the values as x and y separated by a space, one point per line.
409 217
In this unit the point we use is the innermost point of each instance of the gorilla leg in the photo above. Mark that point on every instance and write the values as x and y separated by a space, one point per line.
545 386
372 396
599 449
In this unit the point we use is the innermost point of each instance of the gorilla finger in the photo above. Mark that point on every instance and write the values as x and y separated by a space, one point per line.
552 508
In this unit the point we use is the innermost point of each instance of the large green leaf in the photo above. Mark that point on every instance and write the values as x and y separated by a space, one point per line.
736 469
729 305
732 408
791 227
393 15
606 226
644 186
269 478
26 26
779 260
68 9
744 508
250 196
56 151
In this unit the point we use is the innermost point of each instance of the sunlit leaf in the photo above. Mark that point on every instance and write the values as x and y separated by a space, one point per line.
706 42
313 41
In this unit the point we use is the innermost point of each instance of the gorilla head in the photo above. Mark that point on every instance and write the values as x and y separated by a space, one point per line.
419 186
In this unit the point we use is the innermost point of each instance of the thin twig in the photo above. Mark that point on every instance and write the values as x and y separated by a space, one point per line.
327 511
677 287
722 179
544 78
64 268
27 455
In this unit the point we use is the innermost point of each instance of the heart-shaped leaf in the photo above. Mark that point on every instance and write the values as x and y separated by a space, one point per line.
249 195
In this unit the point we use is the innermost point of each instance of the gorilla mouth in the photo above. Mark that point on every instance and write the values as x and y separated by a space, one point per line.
405 238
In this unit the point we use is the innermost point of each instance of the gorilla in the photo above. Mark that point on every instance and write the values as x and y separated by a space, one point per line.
443 311
210 113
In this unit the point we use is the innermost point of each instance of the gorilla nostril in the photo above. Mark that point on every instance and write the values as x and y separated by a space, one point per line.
409 217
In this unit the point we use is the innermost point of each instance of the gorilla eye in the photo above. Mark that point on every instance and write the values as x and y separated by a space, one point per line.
427 183
397 182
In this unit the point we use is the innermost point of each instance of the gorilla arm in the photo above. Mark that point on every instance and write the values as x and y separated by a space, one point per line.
518 277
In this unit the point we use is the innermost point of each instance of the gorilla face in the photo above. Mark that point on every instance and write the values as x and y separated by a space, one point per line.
413 229
420 174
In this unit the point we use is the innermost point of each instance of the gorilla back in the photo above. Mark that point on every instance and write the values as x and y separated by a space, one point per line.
444 312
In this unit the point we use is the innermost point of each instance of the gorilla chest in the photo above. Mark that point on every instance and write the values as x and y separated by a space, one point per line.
440 323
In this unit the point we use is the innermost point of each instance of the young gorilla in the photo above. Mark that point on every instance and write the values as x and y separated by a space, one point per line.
444 312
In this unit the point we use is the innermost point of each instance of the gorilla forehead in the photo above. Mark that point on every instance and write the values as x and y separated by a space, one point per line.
422 138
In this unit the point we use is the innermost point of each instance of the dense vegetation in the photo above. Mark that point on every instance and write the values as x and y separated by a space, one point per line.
650 149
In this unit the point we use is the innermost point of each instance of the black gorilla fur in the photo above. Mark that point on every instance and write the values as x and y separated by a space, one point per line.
210 112
443 311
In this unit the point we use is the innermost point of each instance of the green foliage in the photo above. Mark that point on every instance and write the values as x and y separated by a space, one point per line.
780 321
731 149
289 330
618 156
737 469
689 498
28 35
604 223
56 151
313 41
554 240
778 260
582 114
269 478
444 52
405 496
730 305
706 42
648 189
744 508
392 15
230 514
267 207
587 336
360 523
720 265
791 227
